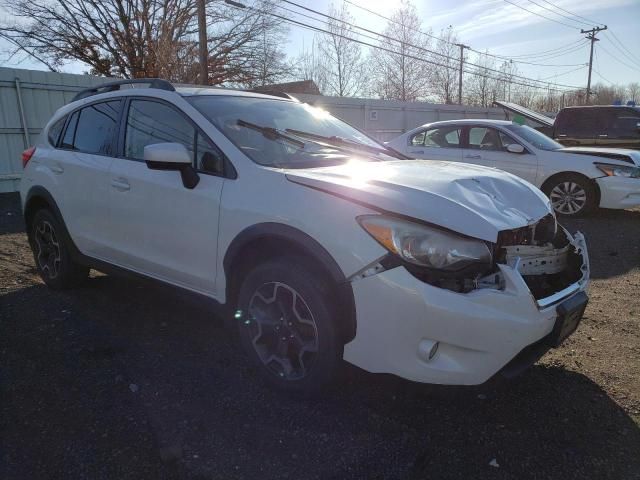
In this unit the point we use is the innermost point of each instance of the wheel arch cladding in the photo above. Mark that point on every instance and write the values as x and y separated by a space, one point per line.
269 240
592 181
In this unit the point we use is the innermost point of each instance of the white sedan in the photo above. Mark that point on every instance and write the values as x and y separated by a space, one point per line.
575 179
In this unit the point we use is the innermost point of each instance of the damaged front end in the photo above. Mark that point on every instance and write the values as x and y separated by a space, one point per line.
551 261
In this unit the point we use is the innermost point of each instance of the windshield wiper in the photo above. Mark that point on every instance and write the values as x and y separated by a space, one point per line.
270 133
336 141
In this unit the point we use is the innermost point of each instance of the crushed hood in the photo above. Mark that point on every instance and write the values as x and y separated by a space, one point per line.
469 199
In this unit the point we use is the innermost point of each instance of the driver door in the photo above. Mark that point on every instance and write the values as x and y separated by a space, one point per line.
160 228
489 145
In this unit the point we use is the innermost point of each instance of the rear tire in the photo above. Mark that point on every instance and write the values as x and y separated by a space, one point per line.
286 326
52 253
571 195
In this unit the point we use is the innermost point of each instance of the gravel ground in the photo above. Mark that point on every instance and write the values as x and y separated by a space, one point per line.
125 379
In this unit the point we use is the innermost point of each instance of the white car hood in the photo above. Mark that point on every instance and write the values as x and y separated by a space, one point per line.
469 199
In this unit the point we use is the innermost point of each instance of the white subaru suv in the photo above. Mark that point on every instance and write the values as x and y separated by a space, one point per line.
321 243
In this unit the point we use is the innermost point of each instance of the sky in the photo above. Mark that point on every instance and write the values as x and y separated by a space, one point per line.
501 28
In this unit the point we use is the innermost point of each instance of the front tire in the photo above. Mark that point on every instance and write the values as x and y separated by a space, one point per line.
52 254
571 195
286 325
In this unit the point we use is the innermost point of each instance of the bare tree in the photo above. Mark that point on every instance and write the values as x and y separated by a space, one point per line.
444 80
633 92
309 65
401 76
342 58
482 87
139 38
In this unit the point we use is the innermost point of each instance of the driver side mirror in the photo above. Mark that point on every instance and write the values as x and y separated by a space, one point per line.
515 148
172 156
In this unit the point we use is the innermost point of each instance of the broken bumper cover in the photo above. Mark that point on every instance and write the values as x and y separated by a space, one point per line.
400 319
619 192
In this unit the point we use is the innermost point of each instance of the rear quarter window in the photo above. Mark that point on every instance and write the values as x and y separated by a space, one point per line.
55 130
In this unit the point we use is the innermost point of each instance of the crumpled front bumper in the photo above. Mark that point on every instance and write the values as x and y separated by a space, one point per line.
400 319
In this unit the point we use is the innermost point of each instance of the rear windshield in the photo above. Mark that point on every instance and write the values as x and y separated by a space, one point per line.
534 137
230 114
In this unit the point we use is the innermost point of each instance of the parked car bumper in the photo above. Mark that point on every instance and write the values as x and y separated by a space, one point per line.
619 192
400 320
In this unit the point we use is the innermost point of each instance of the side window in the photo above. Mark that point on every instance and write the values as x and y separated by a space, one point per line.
623 122
95 128
506 140
55 131
70 132
209 158
484 138
418 139
443 137
150 122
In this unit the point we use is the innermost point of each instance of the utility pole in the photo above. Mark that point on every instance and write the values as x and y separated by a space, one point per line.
462 47
202 43
591 35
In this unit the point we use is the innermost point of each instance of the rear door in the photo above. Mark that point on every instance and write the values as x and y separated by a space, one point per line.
437 143
83 159
622 128
160 228
579 127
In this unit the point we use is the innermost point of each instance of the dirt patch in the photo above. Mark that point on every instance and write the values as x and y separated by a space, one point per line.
122 379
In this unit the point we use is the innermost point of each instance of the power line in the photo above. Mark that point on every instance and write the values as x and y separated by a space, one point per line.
414 57
584 65
595 59
448 57
542 16
500 57
618 60
553 51
589 22
560 14
550 56
625 52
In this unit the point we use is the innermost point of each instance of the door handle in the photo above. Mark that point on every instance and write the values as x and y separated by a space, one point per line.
56 168
120 184
476 157
603 136
418 151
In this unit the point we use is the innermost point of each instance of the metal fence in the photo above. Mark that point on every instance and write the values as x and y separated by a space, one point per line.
28 98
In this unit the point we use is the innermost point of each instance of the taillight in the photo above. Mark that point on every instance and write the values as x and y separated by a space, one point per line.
26 155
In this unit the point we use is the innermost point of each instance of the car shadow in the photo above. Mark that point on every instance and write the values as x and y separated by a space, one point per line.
611 240
140 360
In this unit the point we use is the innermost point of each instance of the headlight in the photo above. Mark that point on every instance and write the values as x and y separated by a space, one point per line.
618 170
425 246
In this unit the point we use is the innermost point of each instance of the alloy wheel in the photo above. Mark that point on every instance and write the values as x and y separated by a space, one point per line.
568 198
48 249
282 330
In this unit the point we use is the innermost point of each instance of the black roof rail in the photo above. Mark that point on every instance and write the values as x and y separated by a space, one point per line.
113 86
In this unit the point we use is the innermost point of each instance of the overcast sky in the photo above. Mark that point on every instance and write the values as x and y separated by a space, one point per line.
504 29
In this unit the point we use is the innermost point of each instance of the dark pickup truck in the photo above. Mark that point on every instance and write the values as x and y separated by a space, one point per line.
588 126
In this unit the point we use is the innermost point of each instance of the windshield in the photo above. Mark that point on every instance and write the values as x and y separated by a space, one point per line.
534 137
263 129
